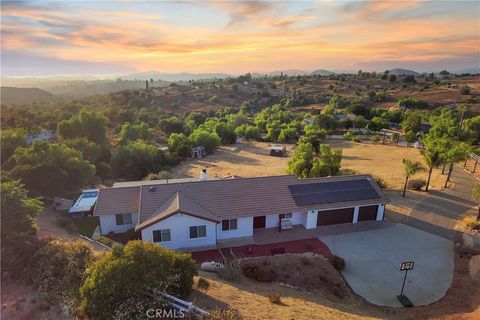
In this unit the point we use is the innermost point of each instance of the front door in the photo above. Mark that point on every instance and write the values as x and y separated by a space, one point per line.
259 222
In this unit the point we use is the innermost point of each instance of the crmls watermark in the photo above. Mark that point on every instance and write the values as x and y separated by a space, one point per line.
165 314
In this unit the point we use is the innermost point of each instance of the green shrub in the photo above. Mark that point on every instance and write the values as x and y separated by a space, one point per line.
337 262
465 90
416 184
347 135
132 270
261 273
471 223
274 298
356 139
213 99
381 182
376 138
203 284
106 241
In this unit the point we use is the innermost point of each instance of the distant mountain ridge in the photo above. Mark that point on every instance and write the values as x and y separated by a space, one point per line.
403 72
173 76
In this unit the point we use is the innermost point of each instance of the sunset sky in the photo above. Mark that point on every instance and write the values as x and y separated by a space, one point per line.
119 37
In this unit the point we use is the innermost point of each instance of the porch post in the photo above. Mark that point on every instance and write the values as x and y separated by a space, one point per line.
355 214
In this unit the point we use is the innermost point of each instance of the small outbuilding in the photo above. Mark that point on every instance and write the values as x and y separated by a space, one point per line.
199 152
278 151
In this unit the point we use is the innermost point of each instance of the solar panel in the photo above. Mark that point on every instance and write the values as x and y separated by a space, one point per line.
331 192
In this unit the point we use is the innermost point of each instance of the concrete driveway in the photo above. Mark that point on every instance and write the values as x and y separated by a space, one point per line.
373 259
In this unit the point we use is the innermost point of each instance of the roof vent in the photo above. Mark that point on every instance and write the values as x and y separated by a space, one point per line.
152 189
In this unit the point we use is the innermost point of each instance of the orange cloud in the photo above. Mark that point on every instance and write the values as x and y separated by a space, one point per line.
259 36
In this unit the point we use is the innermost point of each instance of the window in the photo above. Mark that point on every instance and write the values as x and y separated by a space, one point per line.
198 232
285 216
122 219
161 235
230 224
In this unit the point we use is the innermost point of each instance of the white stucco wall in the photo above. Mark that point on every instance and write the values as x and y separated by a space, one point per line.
380 211
179 226
311 221
299 217
108 223
244 229
272 221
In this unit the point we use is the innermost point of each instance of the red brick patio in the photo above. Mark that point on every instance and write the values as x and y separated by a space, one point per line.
258 250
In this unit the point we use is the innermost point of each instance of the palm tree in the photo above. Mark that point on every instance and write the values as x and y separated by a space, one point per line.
476 197
411 167
434 158
459 151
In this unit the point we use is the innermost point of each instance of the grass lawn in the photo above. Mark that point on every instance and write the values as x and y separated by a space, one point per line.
86 226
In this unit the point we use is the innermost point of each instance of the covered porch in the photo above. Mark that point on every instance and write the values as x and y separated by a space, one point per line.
299 232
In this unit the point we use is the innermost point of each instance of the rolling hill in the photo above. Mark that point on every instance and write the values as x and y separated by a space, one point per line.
24 95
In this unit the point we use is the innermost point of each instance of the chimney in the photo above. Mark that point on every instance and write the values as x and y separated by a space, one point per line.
203 175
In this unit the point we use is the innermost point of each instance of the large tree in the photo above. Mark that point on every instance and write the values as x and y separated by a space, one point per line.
201 137
10 140
133 270
180 145
302 159
49 169
18 227
136 159
131 132
89 124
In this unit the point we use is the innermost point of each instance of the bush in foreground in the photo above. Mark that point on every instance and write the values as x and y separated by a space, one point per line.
471 223
131 271
274 298
337 262
261 273
416 184
58 270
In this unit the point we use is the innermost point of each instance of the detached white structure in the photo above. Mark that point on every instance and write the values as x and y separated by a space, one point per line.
194 214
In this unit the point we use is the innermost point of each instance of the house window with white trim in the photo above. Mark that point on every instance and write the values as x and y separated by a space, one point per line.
125 218
161 235
285 216
230 224
198 232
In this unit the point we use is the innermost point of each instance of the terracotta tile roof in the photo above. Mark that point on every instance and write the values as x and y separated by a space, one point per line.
117 200
178 202
224 199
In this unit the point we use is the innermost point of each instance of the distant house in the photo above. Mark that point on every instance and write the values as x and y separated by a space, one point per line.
85 203
196 214
44 135
199 152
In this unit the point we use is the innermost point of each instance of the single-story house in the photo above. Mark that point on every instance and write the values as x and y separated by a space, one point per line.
193 214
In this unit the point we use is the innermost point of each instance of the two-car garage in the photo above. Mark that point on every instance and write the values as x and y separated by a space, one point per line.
346 215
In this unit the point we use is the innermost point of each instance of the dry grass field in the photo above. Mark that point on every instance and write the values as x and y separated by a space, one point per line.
252 159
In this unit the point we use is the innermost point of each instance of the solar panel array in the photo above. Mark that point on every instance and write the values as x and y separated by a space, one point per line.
331 192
